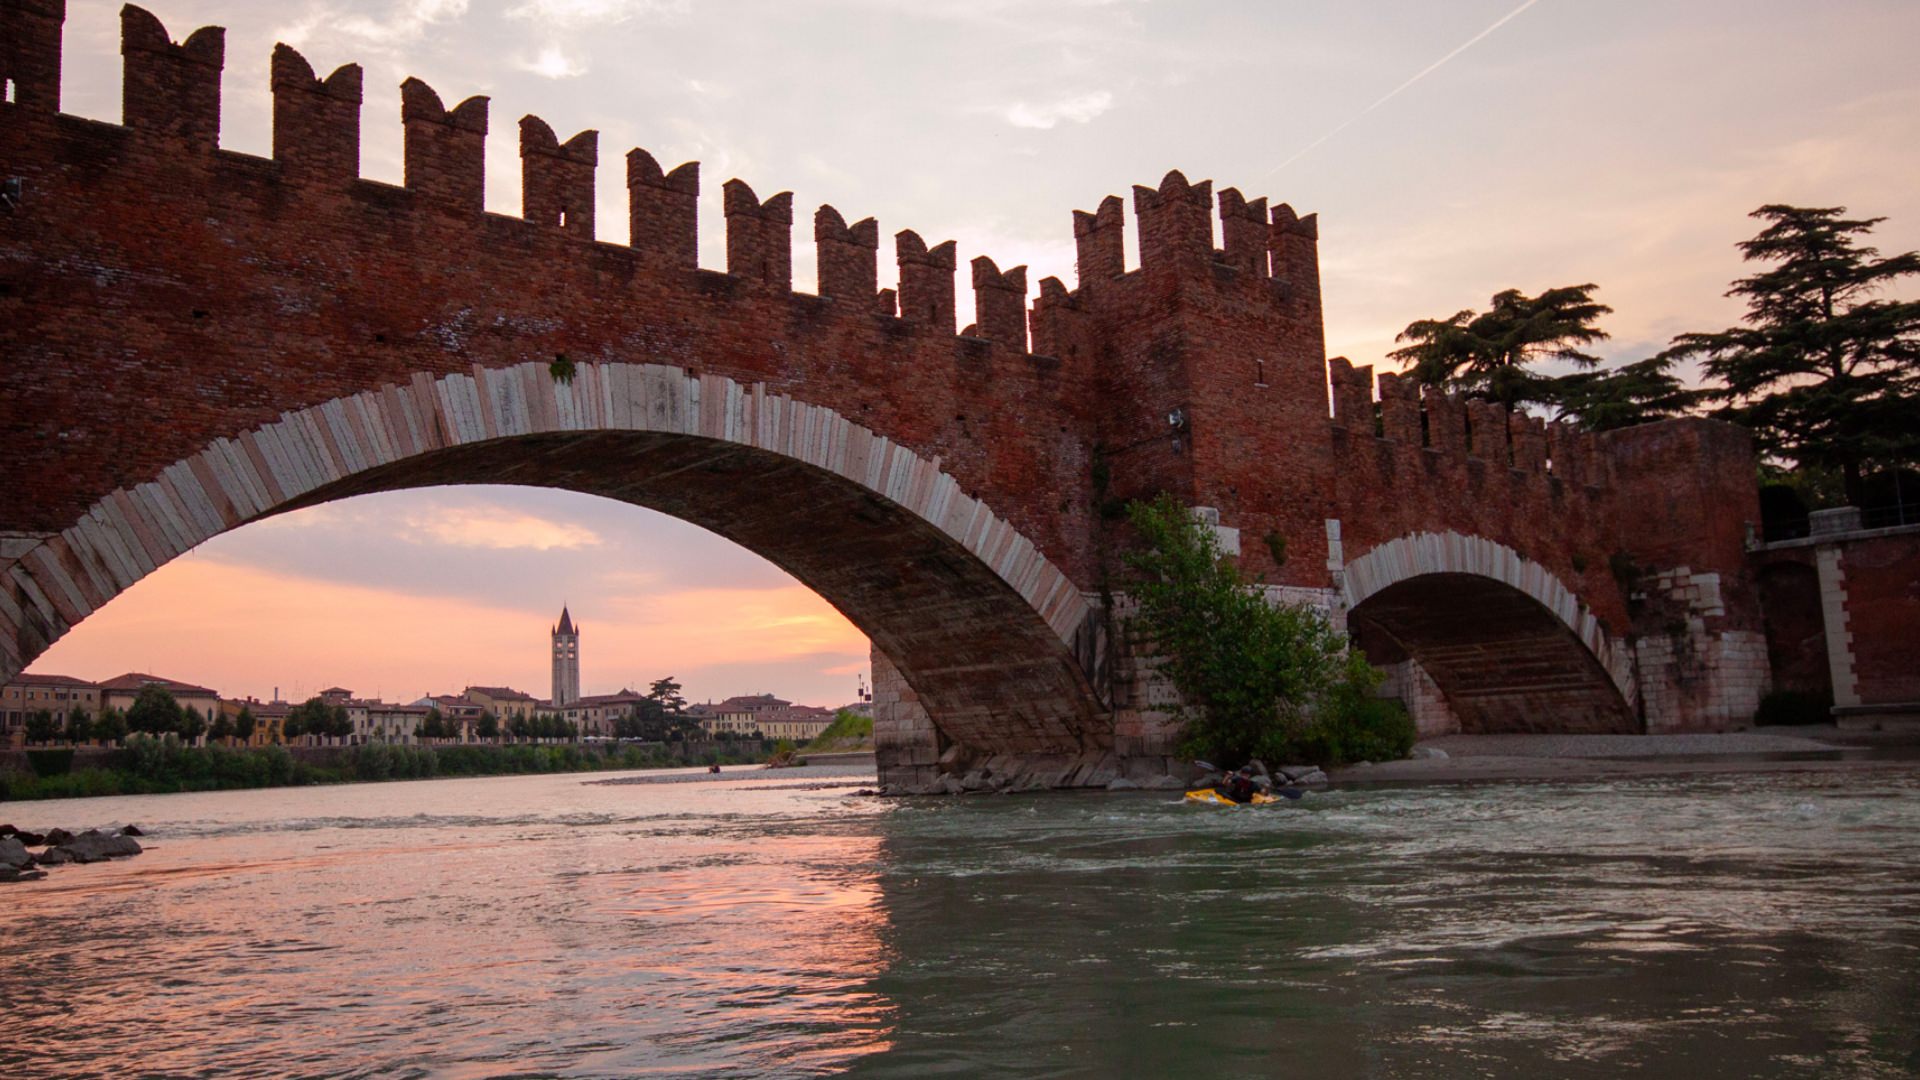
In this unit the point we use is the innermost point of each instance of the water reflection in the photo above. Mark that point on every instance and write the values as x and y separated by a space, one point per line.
539 925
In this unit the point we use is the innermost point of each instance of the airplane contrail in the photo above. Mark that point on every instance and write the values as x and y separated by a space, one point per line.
1395 92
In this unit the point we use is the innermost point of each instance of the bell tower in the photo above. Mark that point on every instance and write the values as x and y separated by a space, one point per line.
566 661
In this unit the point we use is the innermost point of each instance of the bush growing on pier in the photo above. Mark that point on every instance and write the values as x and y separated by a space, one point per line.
1257 679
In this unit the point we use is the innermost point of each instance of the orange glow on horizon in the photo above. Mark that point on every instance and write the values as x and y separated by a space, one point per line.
243 630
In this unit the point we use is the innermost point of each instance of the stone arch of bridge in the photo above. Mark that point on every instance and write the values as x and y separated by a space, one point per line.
986 631
1510 647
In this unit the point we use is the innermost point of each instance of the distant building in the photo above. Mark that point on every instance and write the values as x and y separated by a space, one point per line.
800 723
504 702
385 722
595 714
460 715
740 715
766 715
120 692
269 718
566 660
29 694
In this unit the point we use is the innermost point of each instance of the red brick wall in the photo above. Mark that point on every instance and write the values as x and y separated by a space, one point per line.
158 294
1883 614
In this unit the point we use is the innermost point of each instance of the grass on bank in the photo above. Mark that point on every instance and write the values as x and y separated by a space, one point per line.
850 733
165 766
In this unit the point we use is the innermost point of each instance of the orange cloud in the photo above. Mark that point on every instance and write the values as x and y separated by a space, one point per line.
502 529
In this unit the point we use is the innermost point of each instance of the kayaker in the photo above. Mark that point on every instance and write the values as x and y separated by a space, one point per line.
1239 786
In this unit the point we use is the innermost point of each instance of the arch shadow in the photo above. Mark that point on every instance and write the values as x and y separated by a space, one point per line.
1510 648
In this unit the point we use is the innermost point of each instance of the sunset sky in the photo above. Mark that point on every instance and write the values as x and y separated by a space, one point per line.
1452 148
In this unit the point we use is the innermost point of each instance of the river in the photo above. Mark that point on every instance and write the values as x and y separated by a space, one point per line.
782 925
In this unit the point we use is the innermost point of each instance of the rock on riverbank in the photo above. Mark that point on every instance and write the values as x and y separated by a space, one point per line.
17 863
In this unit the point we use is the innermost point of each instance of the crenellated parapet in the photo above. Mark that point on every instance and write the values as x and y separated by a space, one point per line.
759 237
848 258
556 179
316 123
1244 233
1400 415
445 150
1175 231
1352 395
1000 304
663 210
1100 242
1060 327
30 51
171 91
1454 428
1270 249
926 281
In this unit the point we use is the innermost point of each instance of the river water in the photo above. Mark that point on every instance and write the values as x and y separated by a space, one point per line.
782 925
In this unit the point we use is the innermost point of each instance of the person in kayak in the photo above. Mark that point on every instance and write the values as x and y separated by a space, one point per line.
1238 786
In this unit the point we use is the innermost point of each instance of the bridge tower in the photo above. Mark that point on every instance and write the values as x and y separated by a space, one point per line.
1212 362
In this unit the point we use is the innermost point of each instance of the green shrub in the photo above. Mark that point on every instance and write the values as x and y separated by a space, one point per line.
1246 669
849 729
1782 707
150 765
278 765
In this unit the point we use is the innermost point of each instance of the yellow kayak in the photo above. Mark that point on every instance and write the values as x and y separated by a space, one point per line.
1210 797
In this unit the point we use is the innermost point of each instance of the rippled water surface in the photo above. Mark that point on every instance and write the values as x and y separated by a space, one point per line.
782 925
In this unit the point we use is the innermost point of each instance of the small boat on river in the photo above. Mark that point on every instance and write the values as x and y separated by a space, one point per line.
1212 797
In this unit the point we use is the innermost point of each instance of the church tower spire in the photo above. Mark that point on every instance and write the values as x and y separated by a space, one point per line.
566 661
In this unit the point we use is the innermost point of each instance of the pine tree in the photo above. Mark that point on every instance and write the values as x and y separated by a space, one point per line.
1487 354
667 693
1620 397
1826 374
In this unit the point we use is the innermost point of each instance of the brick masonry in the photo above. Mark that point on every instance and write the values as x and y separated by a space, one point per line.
1843 614
195 338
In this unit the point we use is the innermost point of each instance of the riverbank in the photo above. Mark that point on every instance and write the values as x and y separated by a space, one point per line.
157 767
1575 758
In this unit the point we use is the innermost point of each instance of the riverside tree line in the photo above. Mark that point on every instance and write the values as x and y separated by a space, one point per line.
660 716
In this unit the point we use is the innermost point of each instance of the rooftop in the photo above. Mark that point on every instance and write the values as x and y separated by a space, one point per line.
135 681
25 679
500 693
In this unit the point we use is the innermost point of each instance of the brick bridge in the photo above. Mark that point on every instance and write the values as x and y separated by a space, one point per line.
195 339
